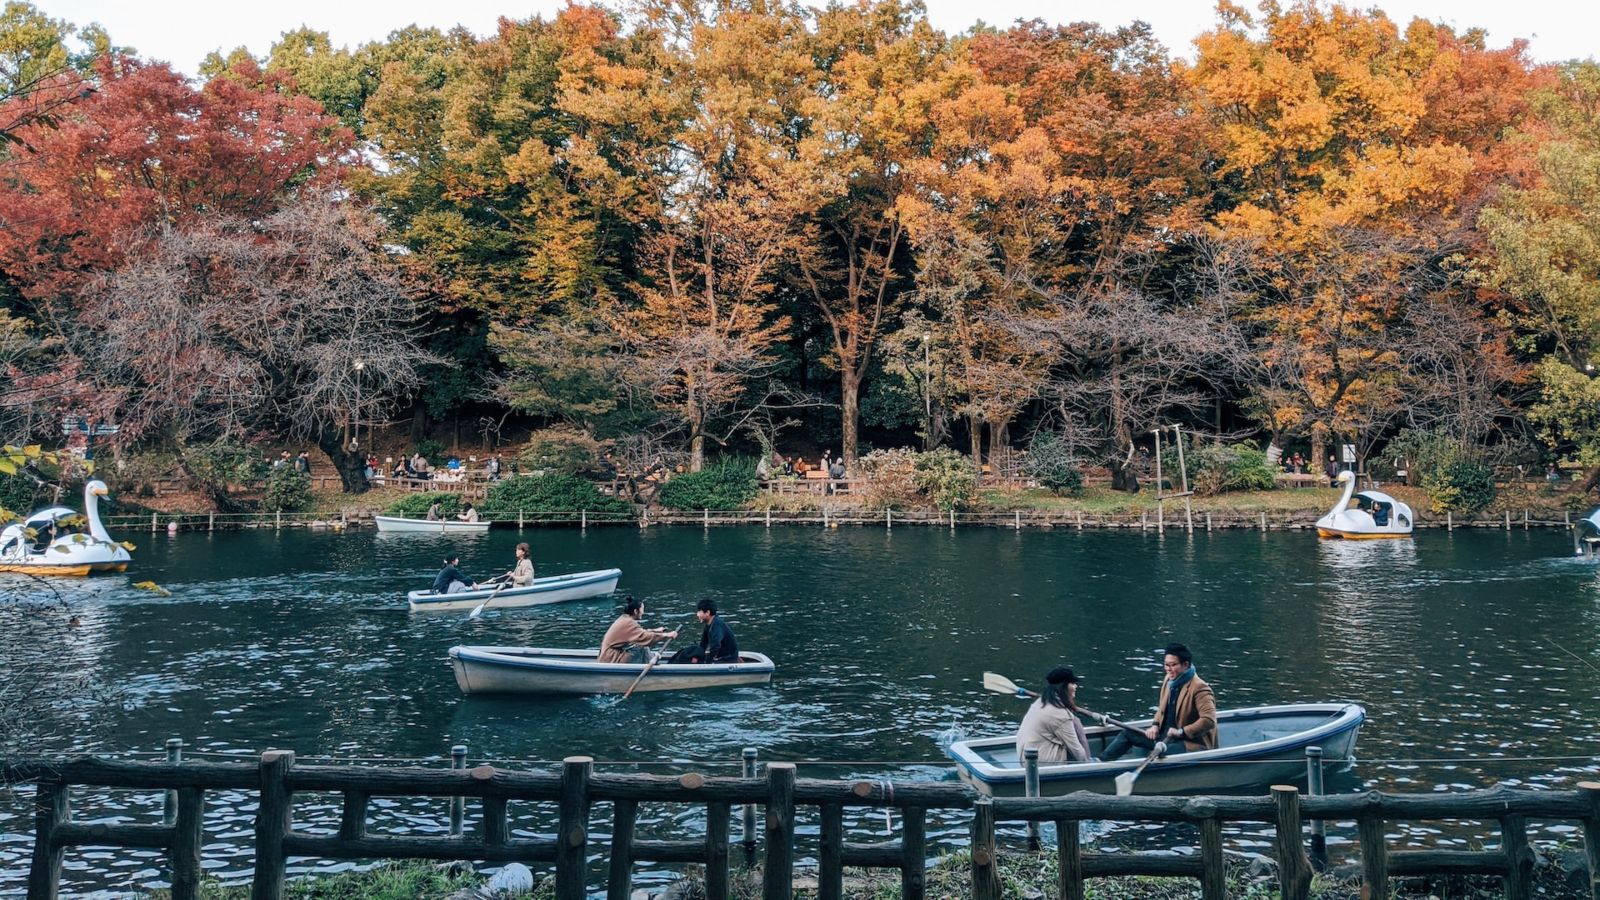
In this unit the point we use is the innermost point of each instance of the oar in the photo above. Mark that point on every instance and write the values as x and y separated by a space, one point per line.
478 610
1000 684
1126 779
651 665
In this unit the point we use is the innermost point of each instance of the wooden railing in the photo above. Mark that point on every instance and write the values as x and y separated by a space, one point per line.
276 779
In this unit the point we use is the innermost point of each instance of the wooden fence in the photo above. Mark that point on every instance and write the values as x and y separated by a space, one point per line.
576 787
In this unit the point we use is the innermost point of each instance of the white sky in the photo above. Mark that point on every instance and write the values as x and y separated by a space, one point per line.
182 32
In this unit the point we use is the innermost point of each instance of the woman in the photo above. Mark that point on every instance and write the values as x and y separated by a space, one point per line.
522 575
1050 725
467 514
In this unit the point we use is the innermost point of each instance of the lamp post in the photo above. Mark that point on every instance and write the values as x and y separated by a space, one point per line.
355 442
927 394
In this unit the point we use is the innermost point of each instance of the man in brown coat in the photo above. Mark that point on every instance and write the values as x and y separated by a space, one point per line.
1186 713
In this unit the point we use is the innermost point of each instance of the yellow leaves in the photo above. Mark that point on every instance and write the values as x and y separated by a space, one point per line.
153 588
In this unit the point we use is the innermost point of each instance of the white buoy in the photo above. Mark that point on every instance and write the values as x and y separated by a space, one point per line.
172 528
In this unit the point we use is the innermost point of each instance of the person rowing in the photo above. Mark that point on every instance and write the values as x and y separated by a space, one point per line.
522 574
1186 714
450 580
1050 726
627 641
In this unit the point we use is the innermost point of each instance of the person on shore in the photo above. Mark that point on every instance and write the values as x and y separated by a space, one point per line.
281 461
302 463
467 514
627 641
450 580
434 514
717 643
1050 725
1186 713
522 574
493 468
1332 471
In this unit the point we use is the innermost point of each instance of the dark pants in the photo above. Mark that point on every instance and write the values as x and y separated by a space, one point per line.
1127 740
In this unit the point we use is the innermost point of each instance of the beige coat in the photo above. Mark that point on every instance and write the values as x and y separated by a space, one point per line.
624 633
1197 714
522 575
1050 729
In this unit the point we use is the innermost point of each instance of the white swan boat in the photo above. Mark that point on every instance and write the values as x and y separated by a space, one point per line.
542 670
1586 535
553 589
435 526
1257 746
59 541
1375 515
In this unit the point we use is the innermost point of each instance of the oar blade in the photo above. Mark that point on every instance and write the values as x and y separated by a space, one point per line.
994 681
1125 783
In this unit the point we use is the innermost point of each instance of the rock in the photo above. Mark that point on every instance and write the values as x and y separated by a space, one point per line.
1574 871
512 880
1262 868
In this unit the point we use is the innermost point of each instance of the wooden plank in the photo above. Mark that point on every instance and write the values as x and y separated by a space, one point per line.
1214 865
718 816
1069 859
572 829
985 865
778 876
407 847
1405 863
188 838
913 852
688 852
1103 865
619 883
830 870
1374 858
1294 867
273 817
52 808
99 834
1591 834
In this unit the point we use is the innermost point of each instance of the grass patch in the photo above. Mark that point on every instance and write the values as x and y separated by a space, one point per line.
387 881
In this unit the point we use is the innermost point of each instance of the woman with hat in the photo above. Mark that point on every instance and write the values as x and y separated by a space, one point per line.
1050 727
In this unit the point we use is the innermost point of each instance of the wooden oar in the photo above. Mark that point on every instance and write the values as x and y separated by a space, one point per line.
1002 685
651 665
478 610
1126 779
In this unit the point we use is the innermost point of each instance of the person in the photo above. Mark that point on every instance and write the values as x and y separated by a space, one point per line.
1552 474
836 470
1297 463
434 512
1050 726
1332 471
627 641
467 514
401 470
450 580
788 466
1186 713
303 462
522 574
419 465
493 468
281 461
717 643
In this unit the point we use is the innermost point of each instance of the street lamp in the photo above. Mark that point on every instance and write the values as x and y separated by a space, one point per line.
355 442
927 393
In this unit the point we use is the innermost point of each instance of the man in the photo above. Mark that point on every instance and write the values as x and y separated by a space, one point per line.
303 463
717 643
1050 727
450 580
627 641
1186 713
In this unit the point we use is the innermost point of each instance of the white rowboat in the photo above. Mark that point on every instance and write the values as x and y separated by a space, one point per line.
1258 746
441 526
541 670
554 589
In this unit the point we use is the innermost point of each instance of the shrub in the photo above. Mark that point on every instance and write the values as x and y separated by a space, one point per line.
562 450
1215 469
1052 463
730 484
948 478
1461 484
415 506
891 478
432 450
288 490
549 493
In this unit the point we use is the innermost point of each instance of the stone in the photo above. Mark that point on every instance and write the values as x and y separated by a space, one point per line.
512 880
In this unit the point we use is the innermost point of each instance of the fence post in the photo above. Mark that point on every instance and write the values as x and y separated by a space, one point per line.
51 807
1374 858
1449 521
619 886
211 522
583 520
1188 516
458 803
1508 520
769 517
749 837
824 516
778 877
272 824
1017 521
1030 788
952 519
1519 858
1524 520
1214 866
573 827
187 838
705 518
985 874
1263 521
169 803
1069 859
277 520
1080 520
1591 834
717 851
152 523
1319 828
1208 521
830 871
1294 870
913 852
888 519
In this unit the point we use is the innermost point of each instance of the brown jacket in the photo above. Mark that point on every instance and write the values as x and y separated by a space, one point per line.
1197 714
624 634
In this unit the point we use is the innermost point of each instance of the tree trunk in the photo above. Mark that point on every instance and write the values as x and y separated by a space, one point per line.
1124 477
351 466
975 437
1317 457
419 422
218 493
999 440
850 401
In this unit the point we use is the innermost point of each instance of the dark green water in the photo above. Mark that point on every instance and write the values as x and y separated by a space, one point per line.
1474 653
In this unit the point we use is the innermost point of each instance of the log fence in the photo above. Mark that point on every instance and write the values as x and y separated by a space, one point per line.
573 791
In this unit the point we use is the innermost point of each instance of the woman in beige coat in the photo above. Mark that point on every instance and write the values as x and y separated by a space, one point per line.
1050 726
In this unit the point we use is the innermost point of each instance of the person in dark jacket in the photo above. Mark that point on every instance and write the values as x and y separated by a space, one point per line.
717 643
450 580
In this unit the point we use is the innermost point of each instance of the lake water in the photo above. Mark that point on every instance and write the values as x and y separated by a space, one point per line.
1474 653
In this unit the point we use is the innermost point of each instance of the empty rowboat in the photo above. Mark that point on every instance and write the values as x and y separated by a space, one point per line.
1257 747
426 526
554 589
541 670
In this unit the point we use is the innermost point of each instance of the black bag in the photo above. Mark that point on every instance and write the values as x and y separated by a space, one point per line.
687 655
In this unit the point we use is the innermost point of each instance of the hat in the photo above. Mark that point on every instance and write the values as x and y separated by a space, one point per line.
1061 675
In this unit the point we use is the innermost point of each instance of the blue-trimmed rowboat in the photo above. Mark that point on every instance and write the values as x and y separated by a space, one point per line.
554 589
541 670
1259 746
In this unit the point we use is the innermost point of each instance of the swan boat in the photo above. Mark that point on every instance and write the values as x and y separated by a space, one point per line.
437 526
1257 746
541 670
1376 515
58 541
1586 535
554 589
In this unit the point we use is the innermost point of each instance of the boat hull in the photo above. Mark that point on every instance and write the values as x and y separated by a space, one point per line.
1260 746
554 589
400 525
1360 535
538 670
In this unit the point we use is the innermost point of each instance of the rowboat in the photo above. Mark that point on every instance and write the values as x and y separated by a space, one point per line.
1258 746
554 589
440 526
541 670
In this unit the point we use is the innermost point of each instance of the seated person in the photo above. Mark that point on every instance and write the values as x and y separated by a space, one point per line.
1380 514
626 641
467 514
717 643
434 512
450 580
1049 725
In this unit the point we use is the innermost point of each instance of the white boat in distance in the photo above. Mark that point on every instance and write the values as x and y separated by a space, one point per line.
541 670
1376 515
1258 746
437 526
553 589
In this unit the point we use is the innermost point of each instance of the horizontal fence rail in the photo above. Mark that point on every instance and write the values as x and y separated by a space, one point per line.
573 789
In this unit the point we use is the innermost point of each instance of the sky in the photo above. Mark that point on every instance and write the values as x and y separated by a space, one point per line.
182 32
